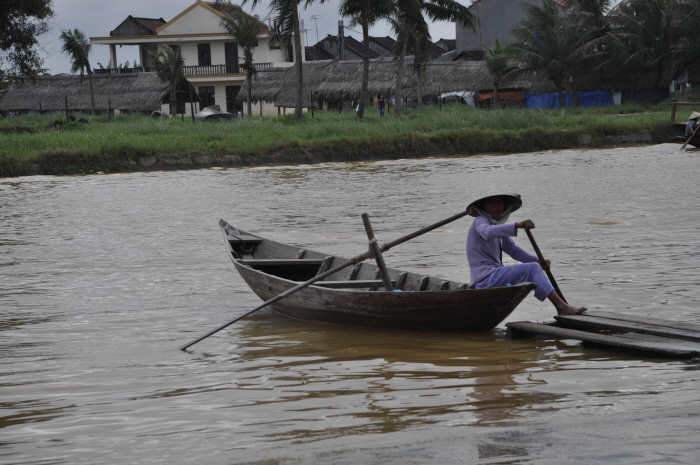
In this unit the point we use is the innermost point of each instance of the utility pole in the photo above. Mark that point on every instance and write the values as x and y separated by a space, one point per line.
341 40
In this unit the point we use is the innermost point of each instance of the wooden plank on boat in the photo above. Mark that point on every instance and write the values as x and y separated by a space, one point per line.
282 261
244 238
355 284
657 345
630 323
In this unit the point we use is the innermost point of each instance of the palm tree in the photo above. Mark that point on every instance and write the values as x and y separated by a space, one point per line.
688 43
550 41
169 65
365 13
287 24
605 47
652 28
409 19
244 30
77 46
498 62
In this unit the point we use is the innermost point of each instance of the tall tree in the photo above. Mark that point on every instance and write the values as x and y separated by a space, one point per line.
21 23
365 13
550 41
77 46
688 43
169 66
409 19
499 63
604 43
652 28
287 24
244 30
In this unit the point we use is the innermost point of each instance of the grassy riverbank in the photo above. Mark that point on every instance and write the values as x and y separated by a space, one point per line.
36 144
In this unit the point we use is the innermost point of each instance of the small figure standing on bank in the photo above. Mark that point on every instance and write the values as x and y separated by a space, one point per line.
692 125
381 102
489 236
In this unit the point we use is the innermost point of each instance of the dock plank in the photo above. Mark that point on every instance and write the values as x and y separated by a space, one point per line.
644 319
656 345
637 325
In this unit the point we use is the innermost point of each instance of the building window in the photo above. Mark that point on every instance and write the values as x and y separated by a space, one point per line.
206 95
231 57
204 54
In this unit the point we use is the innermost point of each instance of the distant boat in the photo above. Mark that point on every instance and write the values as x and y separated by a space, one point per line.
213 113
356 295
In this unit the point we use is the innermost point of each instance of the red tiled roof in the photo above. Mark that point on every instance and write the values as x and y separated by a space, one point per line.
225 8
150 23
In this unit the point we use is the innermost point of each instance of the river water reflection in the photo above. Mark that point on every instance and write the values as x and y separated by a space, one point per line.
103 277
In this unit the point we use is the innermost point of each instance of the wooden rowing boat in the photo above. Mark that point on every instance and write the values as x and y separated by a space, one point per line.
695 141
356 295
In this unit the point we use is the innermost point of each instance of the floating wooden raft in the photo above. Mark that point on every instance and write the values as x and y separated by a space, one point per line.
619 331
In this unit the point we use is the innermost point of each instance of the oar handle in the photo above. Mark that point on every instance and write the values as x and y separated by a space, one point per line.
543 262
408 237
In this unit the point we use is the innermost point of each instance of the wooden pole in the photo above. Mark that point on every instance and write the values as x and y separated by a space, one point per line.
66 107
354 261
189 89
543 261
378 257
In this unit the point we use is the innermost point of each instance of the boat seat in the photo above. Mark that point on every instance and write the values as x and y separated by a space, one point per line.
244 239
281 261
356 284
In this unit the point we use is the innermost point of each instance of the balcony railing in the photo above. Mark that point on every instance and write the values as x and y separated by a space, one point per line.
212 70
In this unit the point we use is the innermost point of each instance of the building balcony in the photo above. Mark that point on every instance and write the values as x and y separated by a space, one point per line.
191 71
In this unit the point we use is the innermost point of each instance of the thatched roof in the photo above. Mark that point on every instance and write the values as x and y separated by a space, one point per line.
266 86
133 92
335 80
314 73
344 81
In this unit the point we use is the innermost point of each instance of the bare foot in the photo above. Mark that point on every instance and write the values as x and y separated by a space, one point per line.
570 310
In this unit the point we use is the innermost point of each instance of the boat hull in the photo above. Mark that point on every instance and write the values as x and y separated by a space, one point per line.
469 310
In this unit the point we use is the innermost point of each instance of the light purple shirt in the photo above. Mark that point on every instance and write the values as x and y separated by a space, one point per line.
485 241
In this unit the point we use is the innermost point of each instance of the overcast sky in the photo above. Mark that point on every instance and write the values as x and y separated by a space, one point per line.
96 18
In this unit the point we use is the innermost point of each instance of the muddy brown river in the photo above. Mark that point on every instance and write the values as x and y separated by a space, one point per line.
103 277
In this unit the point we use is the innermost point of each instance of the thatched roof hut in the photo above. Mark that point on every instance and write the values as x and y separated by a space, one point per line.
344 81
266 86
335 80
314 74
127 92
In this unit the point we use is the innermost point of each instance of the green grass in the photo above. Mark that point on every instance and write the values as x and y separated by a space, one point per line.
49 140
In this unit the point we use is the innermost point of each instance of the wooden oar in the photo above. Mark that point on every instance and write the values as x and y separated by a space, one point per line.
694 132
354 261
543 261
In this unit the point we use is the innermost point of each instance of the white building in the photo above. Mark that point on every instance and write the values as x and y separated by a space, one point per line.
211 56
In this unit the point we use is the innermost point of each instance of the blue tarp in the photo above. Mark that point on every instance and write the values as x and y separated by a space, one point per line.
594 98
546 100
